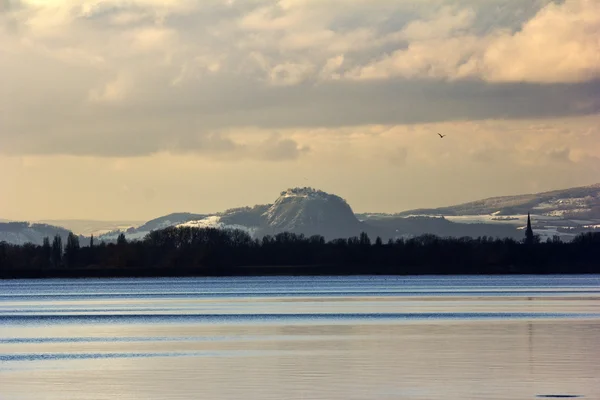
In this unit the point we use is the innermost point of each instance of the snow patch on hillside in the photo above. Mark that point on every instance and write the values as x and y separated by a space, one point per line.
300 196
20 233
562 213
310 209
209 222
214 221
488 219
305 193
20 238
134 235
424 216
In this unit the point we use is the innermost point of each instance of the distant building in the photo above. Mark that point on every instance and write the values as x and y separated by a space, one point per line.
529 237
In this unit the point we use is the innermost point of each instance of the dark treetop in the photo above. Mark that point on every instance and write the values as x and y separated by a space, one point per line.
207 251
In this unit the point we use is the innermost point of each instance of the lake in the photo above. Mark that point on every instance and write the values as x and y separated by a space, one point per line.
345 338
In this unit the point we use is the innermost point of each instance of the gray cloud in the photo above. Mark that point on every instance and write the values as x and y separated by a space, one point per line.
7 6
274 148
237 103
126 79
278 149
120 142
560 155
8 23
212 143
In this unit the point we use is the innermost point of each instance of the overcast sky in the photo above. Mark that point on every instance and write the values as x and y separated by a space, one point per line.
133 109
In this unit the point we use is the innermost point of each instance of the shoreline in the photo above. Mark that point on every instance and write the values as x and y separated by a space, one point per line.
265 271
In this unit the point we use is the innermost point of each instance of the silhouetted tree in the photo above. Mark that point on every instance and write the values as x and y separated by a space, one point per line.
92 241
57 251
71 250
364 239
3 255
121 240
46 252
206 251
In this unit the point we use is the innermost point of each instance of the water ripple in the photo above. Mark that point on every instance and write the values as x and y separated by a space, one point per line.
153 318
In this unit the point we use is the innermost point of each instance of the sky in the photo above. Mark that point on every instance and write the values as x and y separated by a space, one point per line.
114 109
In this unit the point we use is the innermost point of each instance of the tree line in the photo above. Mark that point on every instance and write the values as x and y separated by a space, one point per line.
209 251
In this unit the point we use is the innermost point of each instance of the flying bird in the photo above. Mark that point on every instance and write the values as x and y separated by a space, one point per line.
441 136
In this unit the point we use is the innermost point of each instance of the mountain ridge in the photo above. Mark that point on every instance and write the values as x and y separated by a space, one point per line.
309 211
26 232
584 200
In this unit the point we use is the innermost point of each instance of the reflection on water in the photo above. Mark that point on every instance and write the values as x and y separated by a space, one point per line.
301 338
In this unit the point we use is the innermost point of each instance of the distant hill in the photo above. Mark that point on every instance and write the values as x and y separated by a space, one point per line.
152 225
299 210
581 202
90 227
440 226
564 213
309 211
25 232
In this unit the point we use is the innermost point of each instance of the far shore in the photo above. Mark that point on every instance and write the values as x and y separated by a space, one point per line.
248 271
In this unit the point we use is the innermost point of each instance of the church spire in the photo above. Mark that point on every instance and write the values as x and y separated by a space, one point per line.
528 231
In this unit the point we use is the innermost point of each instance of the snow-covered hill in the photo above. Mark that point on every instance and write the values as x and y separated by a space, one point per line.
581 202
311 212
90 227
158 223
248 219
564 213
25 232
298 210
217 221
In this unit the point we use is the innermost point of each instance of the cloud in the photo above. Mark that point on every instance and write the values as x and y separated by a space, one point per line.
115 78
7 6
558 45
448 22
8 23
280 149
289 74
212 144
274 148
233 164
150 39
561 155
113 91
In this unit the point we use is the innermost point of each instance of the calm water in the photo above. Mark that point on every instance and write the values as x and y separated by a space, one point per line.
301 338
